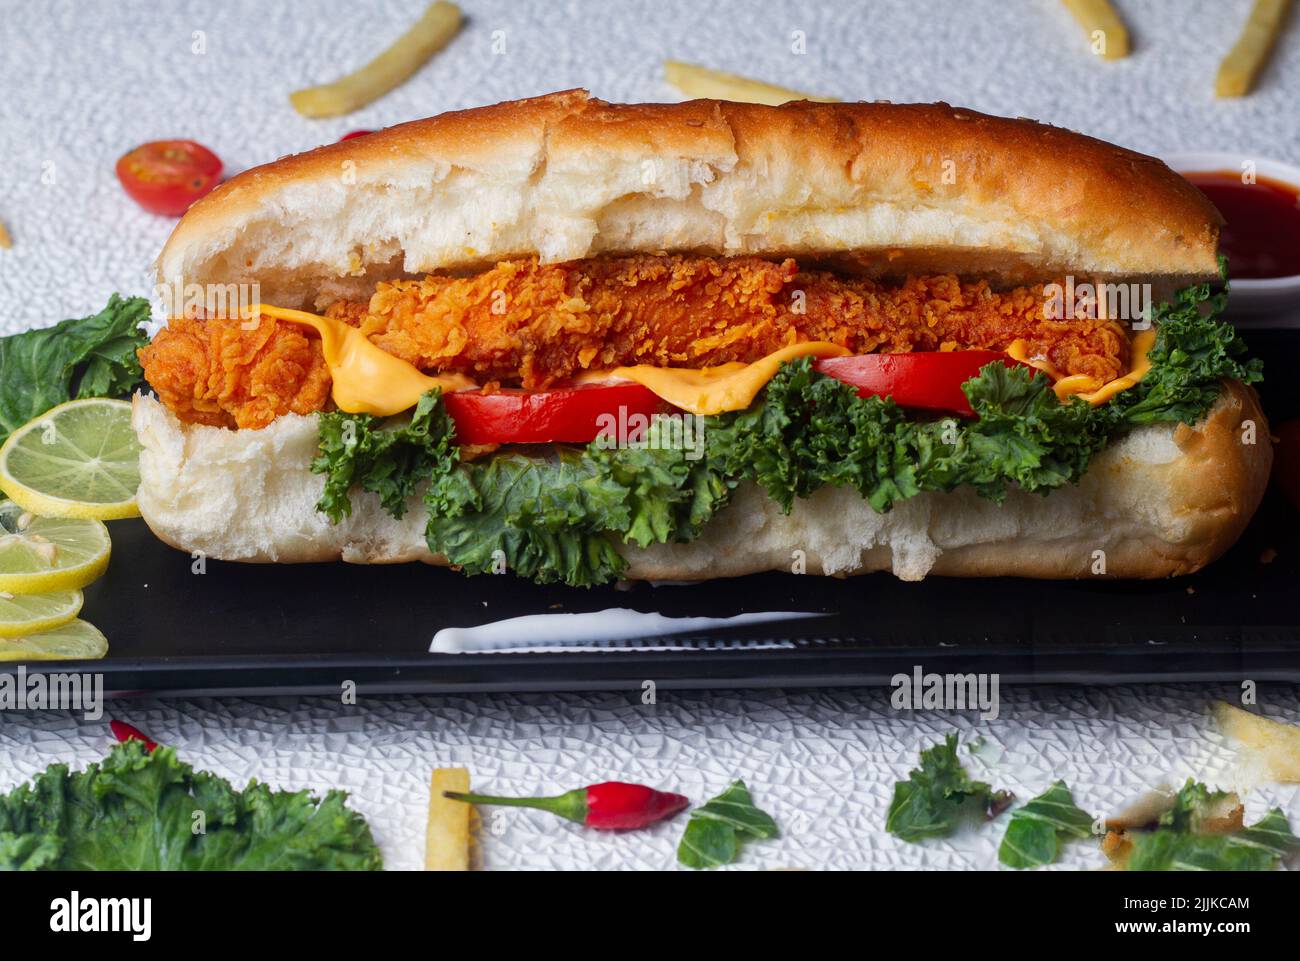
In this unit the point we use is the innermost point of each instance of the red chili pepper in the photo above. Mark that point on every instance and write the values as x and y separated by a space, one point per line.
125 732
610 806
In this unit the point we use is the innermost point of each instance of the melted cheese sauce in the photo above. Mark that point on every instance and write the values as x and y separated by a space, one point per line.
714 390
1082 385
1142 345
366 379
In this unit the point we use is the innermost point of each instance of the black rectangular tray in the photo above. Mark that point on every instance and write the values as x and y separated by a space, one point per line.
246 629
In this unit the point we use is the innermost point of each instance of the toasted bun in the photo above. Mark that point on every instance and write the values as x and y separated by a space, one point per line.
881 188
1161 501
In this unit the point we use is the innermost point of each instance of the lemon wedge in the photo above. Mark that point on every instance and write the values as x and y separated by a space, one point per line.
77 640
78 460
23 614
41 555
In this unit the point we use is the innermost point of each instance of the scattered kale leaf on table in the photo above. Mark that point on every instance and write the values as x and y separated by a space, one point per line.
1181 841
715 833
930 803
137 811
1034 835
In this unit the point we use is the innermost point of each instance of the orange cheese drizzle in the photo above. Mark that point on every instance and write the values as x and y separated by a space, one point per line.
713 390
366 378
1081 385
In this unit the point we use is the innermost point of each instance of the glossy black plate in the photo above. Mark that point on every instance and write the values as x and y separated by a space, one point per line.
280 629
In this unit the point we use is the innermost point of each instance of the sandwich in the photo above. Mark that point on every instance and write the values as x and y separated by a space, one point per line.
583 342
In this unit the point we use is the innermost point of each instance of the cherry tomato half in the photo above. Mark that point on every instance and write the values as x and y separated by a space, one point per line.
925 380
167 176
574 415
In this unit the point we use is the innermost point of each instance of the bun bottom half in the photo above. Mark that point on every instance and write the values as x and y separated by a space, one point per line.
1160 501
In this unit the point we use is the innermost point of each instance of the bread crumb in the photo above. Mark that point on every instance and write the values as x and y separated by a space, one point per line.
1268 555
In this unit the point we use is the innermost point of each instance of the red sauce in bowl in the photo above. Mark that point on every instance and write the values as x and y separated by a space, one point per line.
1262 238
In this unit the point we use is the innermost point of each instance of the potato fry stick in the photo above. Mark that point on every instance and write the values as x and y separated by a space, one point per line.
446 838
1244 61
699 81
1274 744
1103 24
393 67
5 240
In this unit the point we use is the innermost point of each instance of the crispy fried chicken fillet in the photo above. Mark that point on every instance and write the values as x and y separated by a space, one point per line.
536 326
233 373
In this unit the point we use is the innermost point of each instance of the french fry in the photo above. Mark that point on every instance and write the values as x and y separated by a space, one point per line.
1274 744
393 67
696 81
1099 17
5 240
446 838
1244 61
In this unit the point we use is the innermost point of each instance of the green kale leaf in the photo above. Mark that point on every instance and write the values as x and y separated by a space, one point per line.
1034 835
548 518
1022 435
554 515
84 357
1192 353
388 457
930 803
715 832
811 431
671 491
1185 840
142 811
558 516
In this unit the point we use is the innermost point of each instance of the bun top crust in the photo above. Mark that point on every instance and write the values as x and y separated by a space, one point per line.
879 188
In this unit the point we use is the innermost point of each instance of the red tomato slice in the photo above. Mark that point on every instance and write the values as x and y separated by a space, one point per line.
354 134
573 415
925 380
167 176
577 415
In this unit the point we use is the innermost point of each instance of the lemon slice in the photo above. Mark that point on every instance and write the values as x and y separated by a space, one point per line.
39 555
75 640
23 614
80 459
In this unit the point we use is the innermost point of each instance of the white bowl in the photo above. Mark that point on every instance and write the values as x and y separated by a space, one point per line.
1252 298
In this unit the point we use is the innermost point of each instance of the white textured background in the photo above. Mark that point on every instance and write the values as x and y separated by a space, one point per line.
81 83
